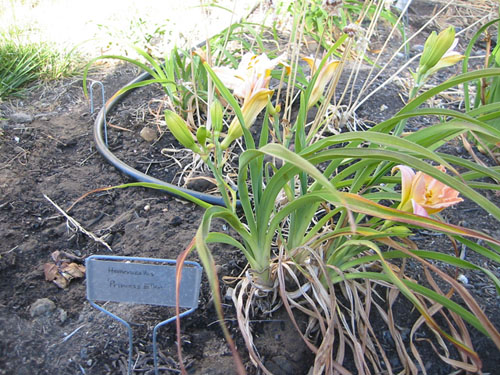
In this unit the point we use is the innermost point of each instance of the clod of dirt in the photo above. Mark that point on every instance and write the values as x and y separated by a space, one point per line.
200 183
280 365
21 118
42 306
176 221
148 134
62 315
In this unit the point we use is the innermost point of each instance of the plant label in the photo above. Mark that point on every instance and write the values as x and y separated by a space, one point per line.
124 279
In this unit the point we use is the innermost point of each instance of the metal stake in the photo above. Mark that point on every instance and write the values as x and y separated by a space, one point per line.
91 90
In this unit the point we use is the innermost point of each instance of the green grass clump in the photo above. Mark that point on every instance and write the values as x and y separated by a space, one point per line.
22 64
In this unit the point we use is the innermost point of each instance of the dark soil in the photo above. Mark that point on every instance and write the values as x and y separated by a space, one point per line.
51 152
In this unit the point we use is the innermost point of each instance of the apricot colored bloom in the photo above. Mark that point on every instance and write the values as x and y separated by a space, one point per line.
424 195
324 77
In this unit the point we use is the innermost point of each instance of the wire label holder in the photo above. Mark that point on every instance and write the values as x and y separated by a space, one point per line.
146 281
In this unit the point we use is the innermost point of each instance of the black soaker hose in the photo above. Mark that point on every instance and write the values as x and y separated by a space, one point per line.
127 169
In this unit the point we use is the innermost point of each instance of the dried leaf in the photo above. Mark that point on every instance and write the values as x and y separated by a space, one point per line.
50 270
56 256
61 281
61 272
72 270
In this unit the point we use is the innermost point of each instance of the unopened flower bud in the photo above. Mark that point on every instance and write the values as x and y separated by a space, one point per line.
400 230
180 130
201 135
216 117
435 47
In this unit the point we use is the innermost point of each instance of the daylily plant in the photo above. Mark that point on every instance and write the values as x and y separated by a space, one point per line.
250 81
324 77
424 195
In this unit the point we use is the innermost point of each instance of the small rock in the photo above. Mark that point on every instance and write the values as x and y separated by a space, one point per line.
21 117
148 134
417 48
463 279
229 294
62 315
42 306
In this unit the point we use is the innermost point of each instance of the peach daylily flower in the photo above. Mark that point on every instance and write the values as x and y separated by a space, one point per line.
424 195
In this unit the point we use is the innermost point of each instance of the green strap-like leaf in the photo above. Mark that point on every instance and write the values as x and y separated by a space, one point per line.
117 57
455 81
390 141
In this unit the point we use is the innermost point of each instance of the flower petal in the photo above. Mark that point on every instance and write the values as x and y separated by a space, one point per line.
251 108
419 210
407 176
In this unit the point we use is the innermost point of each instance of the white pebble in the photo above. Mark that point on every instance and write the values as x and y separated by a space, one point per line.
463 279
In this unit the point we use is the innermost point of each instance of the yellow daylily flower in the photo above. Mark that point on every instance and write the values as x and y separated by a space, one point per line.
422 194
250 82
324 77
251 109
253 70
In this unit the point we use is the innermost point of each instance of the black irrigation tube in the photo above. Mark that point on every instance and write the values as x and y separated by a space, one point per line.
127 169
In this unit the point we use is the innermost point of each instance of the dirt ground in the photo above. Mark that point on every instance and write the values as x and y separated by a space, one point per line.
47 149
52 154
